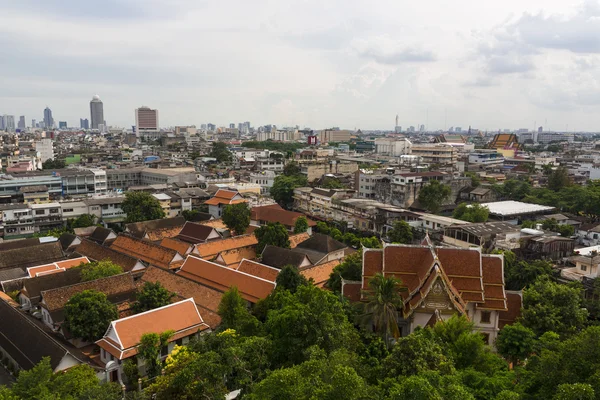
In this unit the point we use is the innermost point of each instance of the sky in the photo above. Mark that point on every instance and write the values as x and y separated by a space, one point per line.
355 64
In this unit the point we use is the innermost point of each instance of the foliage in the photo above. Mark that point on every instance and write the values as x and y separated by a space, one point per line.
350 269
572 198
190 215
235 315
575 391
151 296
274 234
99 269
283 187
433 195
220 151
552 225
291 168
515 342
83 221
56 232
401 232
383 302
416 354
130 369
331 183
289 278
141 206
471 212
53 164
519 275
550 306
301 225
149 350
475 179
512 189
559 179
88 314
237 217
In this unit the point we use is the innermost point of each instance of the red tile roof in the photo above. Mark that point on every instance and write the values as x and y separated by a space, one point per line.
298 238
182 248
59 266
274 213
219 277
146 251
514 302
257 269
320 273
210 249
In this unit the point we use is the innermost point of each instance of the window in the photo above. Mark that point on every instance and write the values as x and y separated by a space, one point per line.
486 338
68 210
485 317
583 267
40 212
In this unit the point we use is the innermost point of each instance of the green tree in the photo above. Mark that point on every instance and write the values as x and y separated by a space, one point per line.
416 354
99 269
234 313
433 195
383 302
550 306
151 296
149 350
289 278
56 232
512 189
371 242
559 179
88 314
53 164
515 342
141 206
401 232
291 169
274 234
220 151
331 183
283 187
190 215
471 212
83 221
574 391
237 217
350 269
475 179
301 225
415 388
521 274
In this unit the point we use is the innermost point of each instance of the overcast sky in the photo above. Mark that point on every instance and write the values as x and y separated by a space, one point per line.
315 63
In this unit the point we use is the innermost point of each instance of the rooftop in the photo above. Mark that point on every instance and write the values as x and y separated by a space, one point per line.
511 207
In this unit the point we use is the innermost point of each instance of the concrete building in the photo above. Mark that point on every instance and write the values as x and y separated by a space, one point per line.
392 147
123 178
334 135
96 112
48 120
146 119
264 178
314 171
46 149
440 154
482 158
84 123
10 185
22 124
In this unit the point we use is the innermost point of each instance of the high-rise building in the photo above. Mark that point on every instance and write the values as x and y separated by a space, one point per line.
48 120
146 119
96 112
9 123
84 123
22 124
62 124
2 123
33 123
231 126
211 127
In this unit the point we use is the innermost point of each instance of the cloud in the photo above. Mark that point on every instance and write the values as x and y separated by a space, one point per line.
386 50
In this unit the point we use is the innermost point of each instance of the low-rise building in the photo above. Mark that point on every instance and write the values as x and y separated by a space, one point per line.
440 154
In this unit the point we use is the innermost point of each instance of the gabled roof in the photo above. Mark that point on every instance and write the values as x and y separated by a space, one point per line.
274 213
21 244
493 283
212 248
514 303
159 234
59 266
179 246
279 257
32 288
235 256
119 287
102 235
26 342
257 269
97 252
207 299
67 240
146 251
35 255
298 238
219 277
123 335
320 273
139 229
196 233
321 243
225 197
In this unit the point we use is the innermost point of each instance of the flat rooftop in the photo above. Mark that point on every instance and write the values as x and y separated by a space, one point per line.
511 207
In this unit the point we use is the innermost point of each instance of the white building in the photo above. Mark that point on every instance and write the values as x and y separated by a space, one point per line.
392 147
45 148
265 179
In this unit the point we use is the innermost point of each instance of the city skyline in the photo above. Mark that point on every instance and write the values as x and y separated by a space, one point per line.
432 66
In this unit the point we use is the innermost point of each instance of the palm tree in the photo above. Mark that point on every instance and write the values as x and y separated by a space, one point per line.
383 302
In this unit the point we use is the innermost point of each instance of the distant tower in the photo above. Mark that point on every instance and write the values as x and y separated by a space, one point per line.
396 120
96 112
146 119
48 120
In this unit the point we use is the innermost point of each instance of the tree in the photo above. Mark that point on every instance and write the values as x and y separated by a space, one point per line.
237 217
401 232
291 169
83 221
88 314
522 274
433 195
301 225
289 278
53 164
274 234
475 179
283 187
149 350
383 302
471 212
515 342
414 355
550 306
559 179
350 269
331 183
56 232
99 269
512 189
220 151
141 206
575 391
234 313
415 388
190 215
151 296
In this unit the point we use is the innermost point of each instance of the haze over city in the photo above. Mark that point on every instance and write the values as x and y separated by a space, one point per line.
352 64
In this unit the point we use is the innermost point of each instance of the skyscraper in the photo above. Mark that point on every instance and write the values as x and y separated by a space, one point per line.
62 124
33 123
146 119
84 123
48 120
96 112
22 124
9 123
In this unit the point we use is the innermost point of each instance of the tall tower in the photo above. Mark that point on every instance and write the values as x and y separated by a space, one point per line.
146 119
48 120
96 112
396 120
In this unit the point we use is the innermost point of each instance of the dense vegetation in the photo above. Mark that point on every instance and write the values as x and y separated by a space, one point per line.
141 206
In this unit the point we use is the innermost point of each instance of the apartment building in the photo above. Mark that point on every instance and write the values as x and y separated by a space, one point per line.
392 147
334 135
107 209
317 202
314 171
406 186
441 154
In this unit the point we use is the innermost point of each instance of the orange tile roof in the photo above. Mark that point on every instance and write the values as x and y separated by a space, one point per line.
235 256
146 251
257 269
298 238
274 213
219 277
207 299
226 194
514 303
160 234
124 335
215 201
215 223
352 290
493 283
182 248
58 266
320 273
211 249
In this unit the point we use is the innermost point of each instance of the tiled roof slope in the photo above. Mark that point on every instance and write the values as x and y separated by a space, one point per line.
43 253
211 249
148 252
97 252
